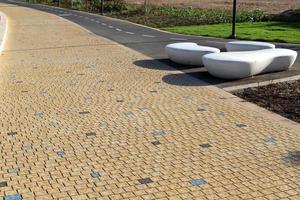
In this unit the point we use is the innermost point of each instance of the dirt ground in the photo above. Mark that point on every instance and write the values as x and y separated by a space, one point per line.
270 6
282 98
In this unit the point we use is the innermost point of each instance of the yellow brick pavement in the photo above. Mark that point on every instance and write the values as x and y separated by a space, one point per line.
85 118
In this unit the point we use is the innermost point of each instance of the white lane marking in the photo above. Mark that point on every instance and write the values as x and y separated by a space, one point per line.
75 15
104 24
77 25
183 39
215 42
86 18
97 22
111 27
80 16
150 36
117 29
92 20
64 15
130 33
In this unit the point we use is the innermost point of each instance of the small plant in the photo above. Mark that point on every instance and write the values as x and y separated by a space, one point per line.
66 3
114 5
94 5
77 5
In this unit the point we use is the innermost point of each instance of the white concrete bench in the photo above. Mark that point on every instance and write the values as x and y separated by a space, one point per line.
248 46
236 65
188 53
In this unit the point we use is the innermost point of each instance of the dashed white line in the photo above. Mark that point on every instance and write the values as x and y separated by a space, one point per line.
130 33
97 22
92 20
111 27
64 15
149 36
183 39
117 29
215 42
104 24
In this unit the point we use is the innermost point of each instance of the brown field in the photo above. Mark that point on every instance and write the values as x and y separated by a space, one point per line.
270 6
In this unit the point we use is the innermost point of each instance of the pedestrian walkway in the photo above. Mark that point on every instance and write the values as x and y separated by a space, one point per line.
83 117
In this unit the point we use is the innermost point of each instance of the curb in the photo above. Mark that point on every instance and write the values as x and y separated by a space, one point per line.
263 83
3 30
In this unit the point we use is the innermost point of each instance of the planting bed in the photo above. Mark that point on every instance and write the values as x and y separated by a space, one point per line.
281 98
269 6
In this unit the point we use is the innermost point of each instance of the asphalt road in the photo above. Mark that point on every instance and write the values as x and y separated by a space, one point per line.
151 42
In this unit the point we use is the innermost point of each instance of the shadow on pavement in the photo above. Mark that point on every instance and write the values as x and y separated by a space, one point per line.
199 79
161 64
183 80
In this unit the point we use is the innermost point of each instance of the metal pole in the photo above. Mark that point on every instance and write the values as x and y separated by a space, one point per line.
233 35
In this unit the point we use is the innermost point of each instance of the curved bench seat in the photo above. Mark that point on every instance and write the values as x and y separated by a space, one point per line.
248 46
236 65
188 53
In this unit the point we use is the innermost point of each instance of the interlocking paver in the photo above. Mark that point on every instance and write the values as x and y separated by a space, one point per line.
78 104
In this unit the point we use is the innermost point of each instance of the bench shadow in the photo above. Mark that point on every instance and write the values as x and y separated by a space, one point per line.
202 78
161 64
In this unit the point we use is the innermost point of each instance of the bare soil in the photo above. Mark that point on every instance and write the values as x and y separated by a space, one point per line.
281 98
269 6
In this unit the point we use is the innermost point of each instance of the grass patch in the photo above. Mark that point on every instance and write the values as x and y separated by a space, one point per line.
288 32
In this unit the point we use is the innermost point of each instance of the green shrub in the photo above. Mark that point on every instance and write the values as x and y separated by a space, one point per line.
66 3
95 5
250 16
77 5
208 16
114 5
